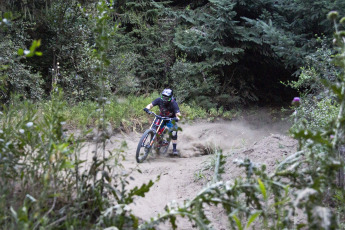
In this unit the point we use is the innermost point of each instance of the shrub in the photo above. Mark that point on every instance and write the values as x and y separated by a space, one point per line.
318 105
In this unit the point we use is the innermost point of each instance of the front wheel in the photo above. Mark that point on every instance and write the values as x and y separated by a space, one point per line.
164 143
144 147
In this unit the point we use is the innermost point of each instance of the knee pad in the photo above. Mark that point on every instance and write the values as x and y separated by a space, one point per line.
174 135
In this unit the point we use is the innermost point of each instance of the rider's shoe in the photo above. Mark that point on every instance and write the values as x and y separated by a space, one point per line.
175 152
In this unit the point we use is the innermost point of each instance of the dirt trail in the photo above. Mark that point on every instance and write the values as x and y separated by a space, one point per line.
261 139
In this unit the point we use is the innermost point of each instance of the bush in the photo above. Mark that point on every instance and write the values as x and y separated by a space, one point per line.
315 114
15 76
318 106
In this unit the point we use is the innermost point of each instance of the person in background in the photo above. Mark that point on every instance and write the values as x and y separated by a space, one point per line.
168 108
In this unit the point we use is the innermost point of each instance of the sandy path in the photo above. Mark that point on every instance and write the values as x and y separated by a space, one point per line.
181 178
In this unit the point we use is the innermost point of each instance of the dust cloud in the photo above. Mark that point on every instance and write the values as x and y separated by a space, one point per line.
258 136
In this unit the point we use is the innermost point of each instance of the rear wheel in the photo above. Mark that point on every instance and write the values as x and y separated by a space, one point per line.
144 147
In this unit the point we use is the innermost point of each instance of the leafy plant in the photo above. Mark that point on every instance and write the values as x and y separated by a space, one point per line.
318 106
15 77
44 183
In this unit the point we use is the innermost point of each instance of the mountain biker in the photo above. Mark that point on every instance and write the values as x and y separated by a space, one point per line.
168 108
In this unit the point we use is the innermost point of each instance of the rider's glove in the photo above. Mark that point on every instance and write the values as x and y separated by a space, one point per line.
175 119
147 110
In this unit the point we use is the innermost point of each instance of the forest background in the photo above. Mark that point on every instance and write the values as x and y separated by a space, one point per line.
217 55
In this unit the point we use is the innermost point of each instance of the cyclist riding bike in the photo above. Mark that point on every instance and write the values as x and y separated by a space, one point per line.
168 108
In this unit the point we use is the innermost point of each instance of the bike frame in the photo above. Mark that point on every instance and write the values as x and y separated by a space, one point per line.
156 139
157 126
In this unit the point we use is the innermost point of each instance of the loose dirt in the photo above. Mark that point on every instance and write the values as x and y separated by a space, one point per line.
260 137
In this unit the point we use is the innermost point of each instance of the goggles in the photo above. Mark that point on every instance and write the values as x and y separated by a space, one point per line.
165 98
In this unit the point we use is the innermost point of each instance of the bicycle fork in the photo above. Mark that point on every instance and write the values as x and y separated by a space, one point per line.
156 127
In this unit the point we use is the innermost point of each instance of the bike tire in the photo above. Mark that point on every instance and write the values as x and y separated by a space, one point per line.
163 150
143 149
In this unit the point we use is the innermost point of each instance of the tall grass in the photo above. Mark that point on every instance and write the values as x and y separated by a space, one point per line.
122 112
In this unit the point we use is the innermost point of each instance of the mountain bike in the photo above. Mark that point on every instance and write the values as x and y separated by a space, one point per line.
156 137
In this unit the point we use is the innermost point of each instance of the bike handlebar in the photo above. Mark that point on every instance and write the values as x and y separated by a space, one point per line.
164 118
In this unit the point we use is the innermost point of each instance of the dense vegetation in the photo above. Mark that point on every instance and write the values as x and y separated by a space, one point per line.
215 54
218 53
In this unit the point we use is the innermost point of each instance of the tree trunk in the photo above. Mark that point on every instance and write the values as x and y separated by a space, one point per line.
341 176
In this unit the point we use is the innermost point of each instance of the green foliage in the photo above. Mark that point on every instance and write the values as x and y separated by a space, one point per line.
289 27
44 182
147 40
39 148
5 20
122 74
32 51
318 105
315 114
190 84
318 68
299 182
204 36
339 201
16 77
211 41
220 113
126 112
221 53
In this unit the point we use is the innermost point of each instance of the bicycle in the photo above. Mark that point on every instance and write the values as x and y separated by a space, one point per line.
156 137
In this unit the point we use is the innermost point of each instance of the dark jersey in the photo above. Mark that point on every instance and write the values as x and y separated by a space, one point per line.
168 110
